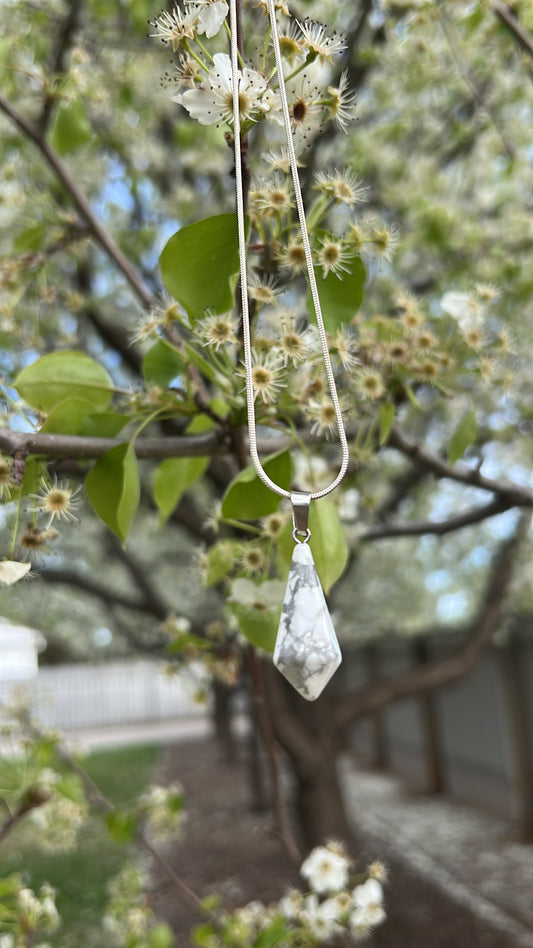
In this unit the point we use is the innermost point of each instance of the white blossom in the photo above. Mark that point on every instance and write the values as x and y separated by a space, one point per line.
292 904
212 100
210 16
463 307
321 917
172 28
317 41
261 597
326 870
368 910
59 821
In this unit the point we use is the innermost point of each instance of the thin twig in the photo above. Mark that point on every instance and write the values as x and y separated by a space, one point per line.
65 33
17 816
513 494
101 801
99 233
184 890
470 80
439 527
504 14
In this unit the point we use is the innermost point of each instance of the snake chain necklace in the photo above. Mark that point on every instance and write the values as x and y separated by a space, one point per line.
306 652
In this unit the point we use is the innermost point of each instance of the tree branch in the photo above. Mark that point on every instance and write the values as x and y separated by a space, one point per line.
64 37
288 730
437 527
504 14
513 494
100 234
151 598
70 577
75 446
14 818
379 694
400 487
469 79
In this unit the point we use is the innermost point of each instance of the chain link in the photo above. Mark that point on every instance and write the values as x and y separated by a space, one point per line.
248 357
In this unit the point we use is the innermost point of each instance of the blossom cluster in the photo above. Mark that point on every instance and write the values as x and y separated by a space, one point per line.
129 919
54 501
204 84
398 354
163 811
32 914
336 904
332 906
61 812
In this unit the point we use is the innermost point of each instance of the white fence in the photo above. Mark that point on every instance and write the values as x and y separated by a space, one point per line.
75 697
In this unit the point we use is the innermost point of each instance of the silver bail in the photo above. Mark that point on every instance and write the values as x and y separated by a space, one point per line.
300 512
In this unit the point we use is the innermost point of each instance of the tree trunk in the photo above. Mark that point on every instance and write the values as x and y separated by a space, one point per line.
306 731
319 802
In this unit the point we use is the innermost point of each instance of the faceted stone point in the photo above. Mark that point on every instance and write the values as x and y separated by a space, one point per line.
307 652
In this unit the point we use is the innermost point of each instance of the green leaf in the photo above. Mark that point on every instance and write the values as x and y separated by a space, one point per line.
113 488
198 262
463 436
122 826
161 937
247 498
70 129
202 935
61 375
106 424
67 417
411 396
272 934
162 363
387 412
260 628
257 608
339 299
172 478
32 238
176 475
34 469
328 543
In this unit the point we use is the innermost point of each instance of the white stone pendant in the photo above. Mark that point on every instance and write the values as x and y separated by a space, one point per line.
307 652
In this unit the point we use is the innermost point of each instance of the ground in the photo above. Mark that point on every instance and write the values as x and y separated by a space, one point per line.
228 847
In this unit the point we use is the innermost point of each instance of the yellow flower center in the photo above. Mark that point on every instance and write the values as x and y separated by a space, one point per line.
262 377
331 253
57 500
291 342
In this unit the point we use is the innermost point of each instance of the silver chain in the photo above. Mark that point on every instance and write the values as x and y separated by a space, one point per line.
248 357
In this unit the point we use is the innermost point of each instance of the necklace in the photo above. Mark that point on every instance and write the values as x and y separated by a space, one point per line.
306 652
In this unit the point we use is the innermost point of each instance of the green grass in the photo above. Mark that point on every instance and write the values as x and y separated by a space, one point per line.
81 877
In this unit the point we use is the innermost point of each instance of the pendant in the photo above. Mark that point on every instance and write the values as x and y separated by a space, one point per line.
306 652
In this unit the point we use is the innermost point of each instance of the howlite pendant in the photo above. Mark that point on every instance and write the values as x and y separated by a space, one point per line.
307 652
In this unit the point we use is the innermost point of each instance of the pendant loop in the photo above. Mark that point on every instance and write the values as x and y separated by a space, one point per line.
301 537
300 515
